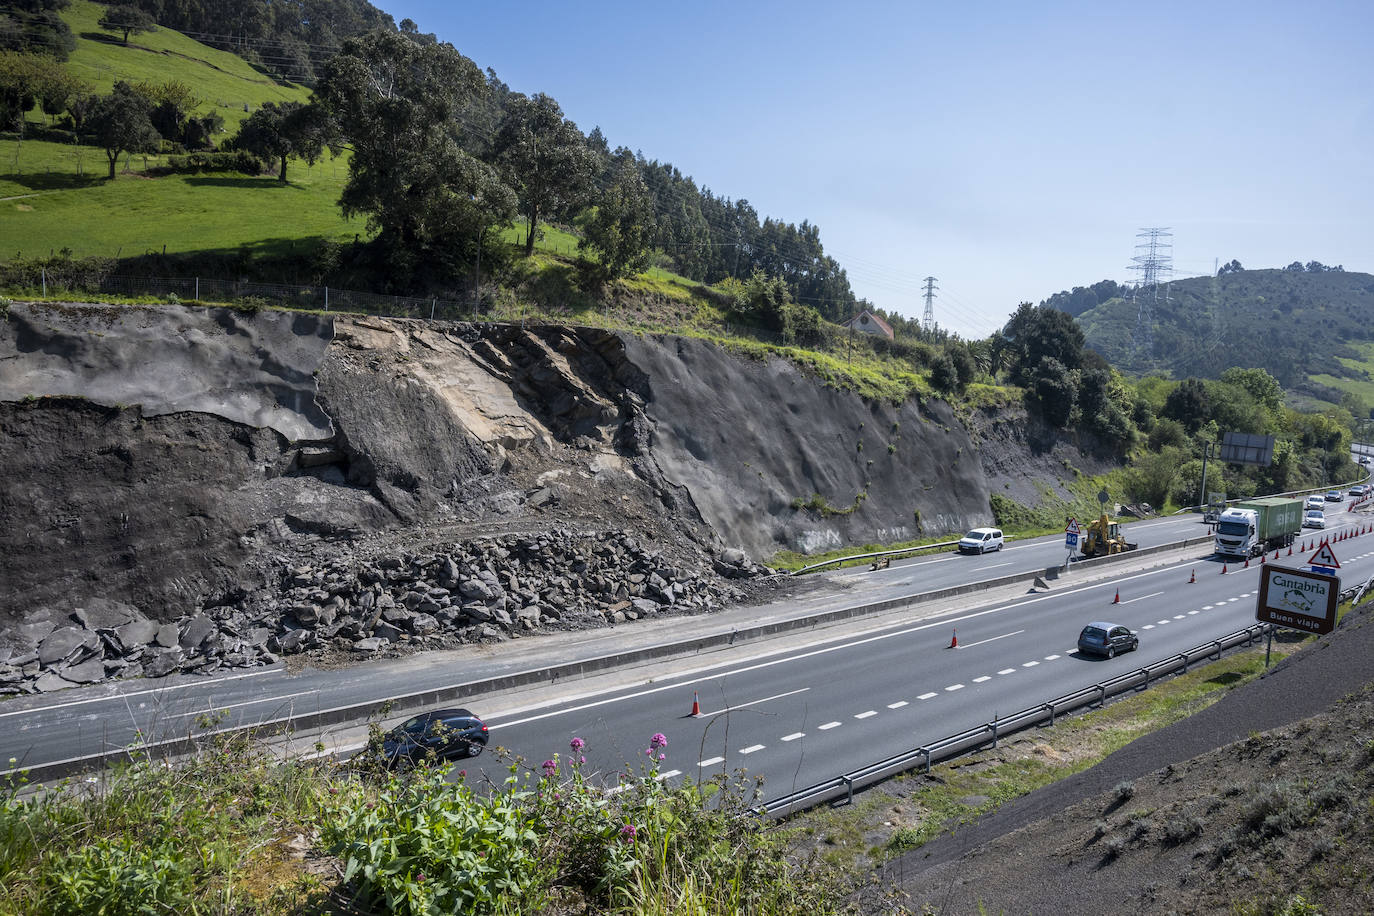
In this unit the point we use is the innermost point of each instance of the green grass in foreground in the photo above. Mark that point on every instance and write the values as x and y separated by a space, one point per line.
233 830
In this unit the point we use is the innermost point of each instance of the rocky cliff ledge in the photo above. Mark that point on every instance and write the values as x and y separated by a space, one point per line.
268 483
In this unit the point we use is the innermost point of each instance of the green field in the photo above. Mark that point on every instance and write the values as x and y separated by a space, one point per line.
223 81
47 206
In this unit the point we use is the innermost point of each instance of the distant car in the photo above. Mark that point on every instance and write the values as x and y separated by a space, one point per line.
1107 639
981 540
1333 496
1358 490
444 733
1315 501
1364 459
1314 519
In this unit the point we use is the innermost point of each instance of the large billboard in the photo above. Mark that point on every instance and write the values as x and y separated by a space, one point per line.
1247 448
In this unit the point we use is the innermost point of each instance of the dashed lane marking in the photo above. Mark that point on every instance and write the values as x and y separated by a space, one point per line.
1030 664
794 736
751 748
979 680
829 725
927 696
710 761
866 715
953 687
897 705
1007 671
1050 658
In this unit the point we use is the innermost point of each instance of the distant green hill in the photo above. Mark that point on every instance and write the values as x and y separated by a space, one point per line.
1311 331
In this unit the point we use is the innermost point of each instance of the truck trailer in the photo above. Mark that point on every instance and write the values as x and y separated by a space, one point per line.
1250 528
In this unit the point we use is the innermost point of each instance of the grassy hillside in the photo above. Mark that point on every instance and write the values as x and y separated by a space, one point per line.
1306 329
226 83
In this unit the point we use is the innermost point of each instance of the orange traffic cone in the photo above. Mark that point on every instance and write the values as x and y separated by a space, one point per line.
1290 550
1192 577
1276 555
1247 562
696 704
1223 569
1117 599
954 640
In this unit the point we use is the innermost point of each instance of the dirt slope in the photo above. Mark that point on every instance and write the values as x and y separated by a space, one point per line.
1261 796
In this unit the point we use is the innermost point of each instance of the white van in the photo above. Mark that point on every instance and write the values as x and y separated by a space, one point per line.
981 540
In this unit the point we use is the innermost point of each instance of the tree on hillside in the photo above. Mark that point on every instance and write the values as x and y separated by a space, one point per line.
1035 333
36 26
392 102
278 131
1262 386
545 159
1189 403
620 228
127 19
119 123
18 88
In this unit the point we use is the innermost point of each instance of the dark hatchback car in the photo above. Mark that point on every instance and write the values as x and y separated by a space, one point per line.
1107 639
443 732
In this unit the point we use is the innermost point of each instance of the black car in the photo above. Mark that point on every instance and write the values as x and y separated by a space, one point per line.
1107 639
443 732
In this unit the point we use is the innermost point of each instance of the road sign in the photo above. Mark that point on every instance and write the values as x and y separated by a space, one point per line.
1324 557
1071 539
1297 599
1072 527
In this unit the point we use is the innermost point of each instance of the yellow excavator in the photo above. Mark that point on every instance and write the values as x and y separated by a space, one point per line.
1103 538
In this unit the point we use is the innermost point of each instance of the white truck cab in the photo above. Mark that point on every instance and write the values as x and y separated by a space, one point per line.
1237 534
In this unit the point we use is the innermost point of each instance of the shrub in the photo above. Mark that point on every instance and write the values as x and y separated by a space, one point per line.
240 161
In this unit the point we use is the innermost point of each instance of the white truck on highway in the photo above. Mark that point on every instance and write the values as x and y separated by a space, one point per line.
1250 528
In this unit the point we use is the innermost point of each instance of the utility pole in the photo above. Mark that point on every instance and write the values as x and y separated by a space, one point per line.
928 320
1156 264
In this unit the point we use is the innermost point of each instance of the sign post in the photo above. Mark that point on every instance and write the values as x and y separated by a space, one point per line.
1070 540
1297 599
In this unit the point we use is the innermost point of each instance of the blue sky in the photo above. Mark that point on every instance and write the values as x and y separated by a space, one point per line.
1009 149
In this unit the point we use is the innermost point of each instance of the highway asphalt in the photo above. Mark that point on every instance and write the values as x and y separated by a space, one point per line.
797 709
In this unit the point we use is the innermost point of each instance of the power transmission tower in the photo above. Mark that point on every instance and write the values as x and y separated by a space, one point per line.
928 320
1154 266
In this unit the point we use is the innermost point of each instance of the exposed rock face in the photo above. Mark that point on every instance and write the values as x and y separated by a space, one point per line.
205 467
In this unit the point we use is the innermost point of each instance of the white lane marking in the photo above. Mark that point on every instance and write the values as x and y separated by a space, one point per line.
751 748
1148 626
1207 607
616 790
927 696
866 715
1178 616
794 736
953 687
897 705
668 775
1191 613
1007 671
1141 598
1029 664
712 672
1162 622
710 761
979 680
994 566
139 693
776 696
1050 658
827 726
1230 600
970 645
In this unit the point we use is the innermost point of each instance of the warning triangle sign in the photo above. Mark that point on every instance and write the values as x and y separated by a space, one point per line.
1324 557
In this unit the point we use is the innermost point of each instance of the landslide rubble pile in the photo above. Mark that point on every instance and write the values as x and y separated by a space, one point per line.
486 589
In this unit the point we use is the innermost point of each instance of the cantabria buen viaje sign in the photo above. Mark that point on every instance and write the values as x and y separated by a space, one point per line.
1298 599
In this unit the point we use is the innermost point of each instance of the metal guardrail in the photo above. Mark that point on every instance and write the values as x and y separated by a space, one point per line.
881 553
988 733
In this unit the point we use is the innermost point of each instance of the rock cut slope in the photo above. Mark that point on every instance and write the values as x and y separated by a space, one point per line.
170 464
